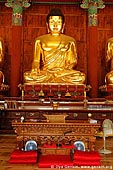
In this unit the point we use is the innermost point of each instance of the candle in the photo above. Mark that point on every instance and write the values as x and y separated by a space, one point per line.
84 94
22 93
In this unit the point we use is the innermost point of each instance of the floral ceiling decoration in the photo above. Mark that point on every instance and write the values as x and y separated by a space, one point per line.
92 6
17 6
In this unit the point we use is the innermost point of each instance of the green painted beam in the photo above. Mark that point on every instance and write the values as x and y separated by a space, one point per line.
39 2
65 3
58 3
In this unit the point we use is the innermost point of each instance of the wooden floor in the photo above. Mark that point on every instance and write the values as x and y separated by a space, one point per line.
8 144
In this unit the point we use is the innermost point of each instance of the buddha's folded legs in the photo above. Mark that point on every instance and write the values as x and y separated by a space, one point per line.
74 77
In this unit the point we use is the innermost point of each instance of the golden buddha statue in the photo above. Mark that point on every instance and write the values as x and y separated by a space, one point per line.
1 61
55 55
1 52
109 58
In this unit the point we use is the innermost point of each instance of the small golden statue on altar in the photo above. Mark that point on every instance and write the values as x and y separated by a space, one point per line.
109 58
55 55
1 61
3 87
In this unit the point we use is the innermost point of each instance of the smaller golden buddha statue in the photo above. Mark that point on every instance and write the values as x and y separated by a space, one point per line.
3 87
55 55
109 58
1 61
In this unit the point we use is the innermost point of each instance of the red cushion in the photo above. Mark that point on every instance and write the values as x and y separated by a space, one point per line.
23 154
53 145
85 155
68 146
50 161
86 163
20 161
49 146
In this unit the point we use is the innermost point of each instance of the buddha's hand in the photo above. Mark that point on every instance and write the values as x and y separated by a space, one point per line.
35 71
35 68
70 66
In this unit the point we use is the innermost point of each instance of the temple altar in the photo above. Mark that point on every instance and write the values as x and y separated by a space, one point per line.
56 91
56 132
36 124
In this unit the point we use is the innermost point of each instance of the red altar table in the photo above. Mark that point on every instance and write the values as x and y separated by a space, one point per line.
54 90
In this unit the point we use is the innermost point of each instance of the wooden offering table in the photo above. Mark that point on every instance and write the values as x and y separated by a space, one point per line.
35 111
58 133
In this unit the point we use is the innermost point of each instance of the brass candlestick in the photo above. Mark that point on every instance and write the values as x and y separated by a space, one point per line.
85 100
22 105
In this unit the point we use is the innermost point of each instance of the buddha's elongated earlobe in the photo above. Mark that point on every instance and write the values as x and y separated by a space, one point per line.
48 30
62 31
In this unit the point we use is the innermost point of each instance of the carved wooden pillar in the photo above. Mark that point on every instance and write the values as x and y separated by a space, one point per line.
15 60
17 7
93 61
92 6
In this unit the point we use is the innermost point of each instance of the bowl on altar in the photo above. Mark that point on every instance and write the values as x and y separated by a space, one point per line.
56 118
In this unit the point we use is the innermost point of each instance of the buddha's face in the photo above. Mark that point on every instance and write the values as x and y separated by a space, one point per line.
55 24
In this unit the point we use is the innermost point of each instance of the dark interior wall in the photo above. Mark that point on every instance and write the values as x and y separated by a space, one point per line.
6 35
